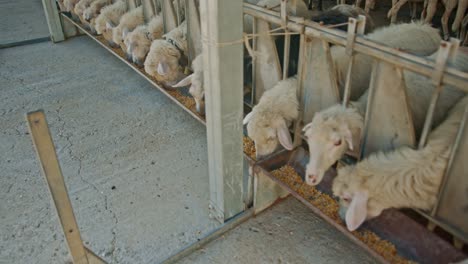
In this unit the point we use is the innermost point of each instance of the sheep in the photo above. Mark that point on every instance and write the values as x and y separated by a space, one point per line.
404 178
195 80
128 22
93 10
110 16
164 60
138 42
61 4
430 7
69 5
397 36
336 129
79 9
461 10
392 13
269 120
340 14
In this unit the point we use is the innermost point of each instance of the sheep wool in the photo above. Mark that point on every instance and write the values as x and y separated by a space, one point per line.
404 178
138 41
110 14
162 51
267 124
128 22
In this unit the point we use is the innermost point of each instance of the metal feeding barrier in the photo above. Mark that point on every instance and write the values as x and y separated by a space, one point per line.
241 185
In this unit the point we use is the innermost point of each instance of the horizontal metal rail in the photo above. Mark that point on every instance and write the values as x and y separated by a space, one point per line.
376 50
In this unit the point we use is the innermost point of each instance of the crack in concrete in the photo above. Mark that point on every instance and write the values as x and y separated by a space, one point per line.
92 185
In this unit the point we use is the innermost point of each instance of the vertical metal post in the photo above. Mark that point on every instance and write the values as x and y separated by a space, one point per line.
221 22
53 20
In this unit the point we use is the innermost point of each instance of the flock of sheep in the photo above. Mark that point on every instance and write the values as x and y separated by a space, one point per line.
403 178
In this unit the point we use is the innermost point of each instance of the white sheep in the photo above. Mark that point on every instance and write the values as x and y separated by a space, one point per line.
404 178
336 129
69 5
80 8
163 59
397 36
128 22
94 9
195 80
110 16
138 42
269 120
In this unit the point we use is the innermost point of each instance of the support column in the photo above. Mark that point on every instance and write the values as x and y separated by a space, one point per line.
221 22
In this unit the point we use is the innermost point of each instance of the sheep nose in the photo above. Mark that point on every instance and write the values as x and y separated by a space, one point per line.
312 179
129 57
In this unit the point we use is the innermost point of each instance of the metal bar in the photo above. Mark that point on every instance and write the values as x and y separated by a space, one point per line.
169 17
228 226
287 47
287 39
455 146
349 51
300 91
141 72
254 62
223 100
398 58
441 62
53 20
47 156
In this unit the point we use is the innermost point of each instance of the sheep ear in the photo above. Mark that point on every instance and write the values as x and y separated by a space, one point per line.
184 82
304 129
284 136
162 68
247 118
357 210
109 25
125 32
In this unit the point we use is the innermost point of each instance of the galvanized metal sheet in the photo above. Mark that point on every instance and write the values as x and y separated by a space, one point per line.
320 87
169 15
452 207
267 65
194 30
389 122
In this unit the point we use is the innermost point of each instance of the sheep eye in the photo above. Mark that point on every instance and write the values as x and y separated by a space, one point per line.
337 143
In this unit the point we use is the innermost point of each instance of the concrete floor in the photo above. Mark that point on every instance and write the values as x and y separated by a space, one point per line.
135 166
21 20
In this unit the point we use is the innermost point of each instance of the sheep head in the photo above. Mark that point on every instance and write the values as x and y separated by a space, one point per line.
195 80
267 129
138 44
329 136
355 198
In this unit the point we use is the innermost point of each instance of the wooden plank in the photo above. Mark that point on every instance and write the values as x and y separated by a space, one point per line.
223 71
53 20
388 122
267 64
193 28
45 149
169 16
